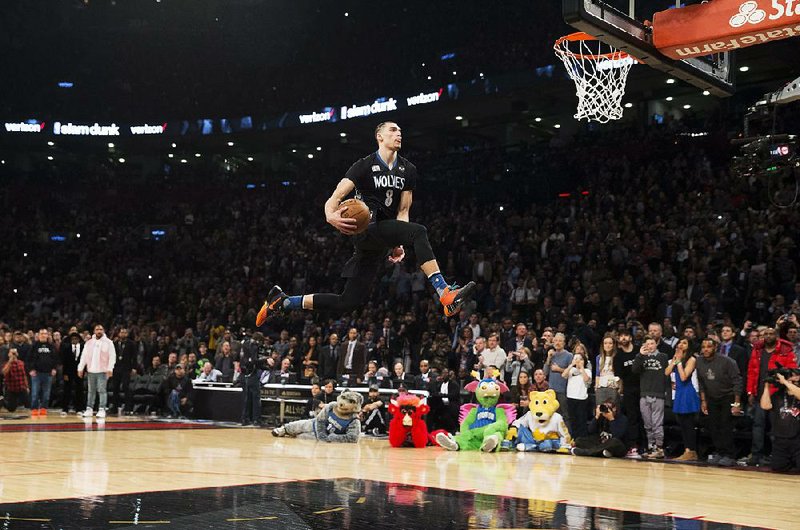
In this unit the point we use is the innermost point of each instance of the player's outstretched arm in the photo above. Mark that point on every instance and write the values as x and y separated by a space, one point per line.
333 214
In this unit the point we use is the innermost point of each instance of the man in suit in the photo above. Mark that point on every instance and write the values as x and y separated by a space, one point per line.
352 357
425 377
445 399
390 335
329 358
73 387
737 352
519 340
126 362
669 309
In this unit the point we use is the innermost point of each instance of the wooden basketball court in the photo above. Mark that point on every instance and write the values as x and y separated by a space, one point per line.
69 458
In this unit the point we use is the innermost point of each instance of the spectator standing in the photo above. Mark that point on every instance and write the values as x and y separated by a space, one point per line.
16 381
607 382
686 404
579 377
329 358
558 359
651 364
767 355
43 363
71 350
126 351
720 388
352 358
493 355
97 363
629 391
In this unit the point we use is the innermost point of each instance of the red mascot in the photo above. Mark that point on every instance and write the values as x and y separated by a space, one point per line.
407 428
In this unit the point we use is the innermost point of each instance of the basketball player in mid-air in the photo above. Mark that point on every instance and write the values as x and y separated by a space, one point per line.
385 181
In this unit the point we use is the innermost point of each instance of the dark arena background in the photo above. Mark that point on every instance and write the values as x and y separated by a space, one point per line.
613 216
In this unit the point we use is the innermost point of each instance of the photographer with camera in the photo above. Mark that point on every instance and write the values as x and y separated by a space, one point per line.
254 354
784 403
766 356
606 433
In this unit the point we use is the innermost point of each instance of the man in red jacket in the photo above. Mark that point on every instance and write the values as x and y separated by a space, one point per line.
766 356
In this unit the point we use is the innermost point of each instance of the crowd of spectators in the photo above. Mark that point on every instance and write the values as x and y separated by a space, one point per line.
659 242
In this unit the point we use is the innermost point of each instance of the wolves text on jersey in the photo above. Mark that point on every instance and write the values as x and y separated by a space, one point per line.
389 181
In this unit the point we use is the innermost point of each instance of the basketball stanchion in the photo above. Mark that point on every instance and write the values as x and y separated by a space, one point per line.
599 72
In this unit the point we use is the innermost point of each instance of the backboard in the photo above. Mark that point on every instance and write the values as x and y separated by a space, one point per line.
621 24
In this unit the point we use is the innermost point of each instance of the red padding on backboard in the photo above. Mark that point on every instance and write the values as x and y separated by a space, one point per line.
724 25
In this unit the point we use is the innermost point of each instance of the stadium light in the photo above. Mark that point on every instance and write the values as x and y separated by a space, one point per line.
706 93
171 155
294 150
110 145
121 160
230 144
249 158
557 125
343 134
670 81
51 144
628 105
454 72
174 145
744 68
669 98
197 155
687 106
319 148
429 78
183 160
537 119
50 158
310 155
459 118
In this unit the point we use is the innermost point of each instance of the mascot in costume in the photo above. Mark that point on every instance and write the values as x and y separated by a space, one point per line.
542 428
337 422
483 426
407 428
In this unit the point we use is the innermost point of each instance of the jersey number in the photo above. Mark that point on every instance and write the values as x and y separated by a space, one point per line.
389 198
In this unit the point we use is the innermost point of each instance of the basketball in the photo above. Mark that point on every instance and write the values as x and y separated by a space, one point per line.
356 209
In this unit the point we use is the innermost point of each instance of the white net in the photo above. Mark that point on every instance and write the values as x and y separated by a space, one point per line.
599 72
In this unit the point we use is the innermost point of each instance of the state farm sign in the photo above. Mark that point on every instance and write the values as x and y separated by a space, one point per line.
724 25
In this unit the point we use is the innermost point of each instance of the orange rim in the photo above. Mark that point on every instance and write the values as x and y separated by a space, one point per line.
581 36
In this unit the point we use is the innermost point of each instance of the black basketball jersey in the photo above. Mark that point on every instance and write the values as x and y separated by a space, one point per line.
380 186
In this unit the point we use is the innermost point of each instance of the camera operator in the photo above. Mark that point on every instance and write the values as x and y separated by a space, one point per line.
254 354
606 433
766 356
785 406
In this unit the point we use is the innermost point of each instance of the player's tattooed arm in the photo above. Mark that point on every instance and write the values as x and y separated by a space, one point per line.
405 206
333 214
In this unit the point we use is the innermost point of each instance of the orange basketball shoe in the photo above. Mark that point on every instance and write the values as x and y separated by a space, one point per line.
273 303
454 296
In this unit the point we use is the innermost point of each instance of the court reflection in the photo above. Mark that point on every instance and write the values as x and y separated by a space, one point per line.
346 503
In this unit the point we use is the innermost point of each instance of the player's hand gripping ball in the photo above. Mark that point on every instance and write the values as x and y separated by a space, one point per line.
355 209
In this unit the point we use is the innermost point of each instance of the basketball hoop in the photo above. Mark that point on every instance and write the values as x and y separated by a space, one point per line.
599 72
